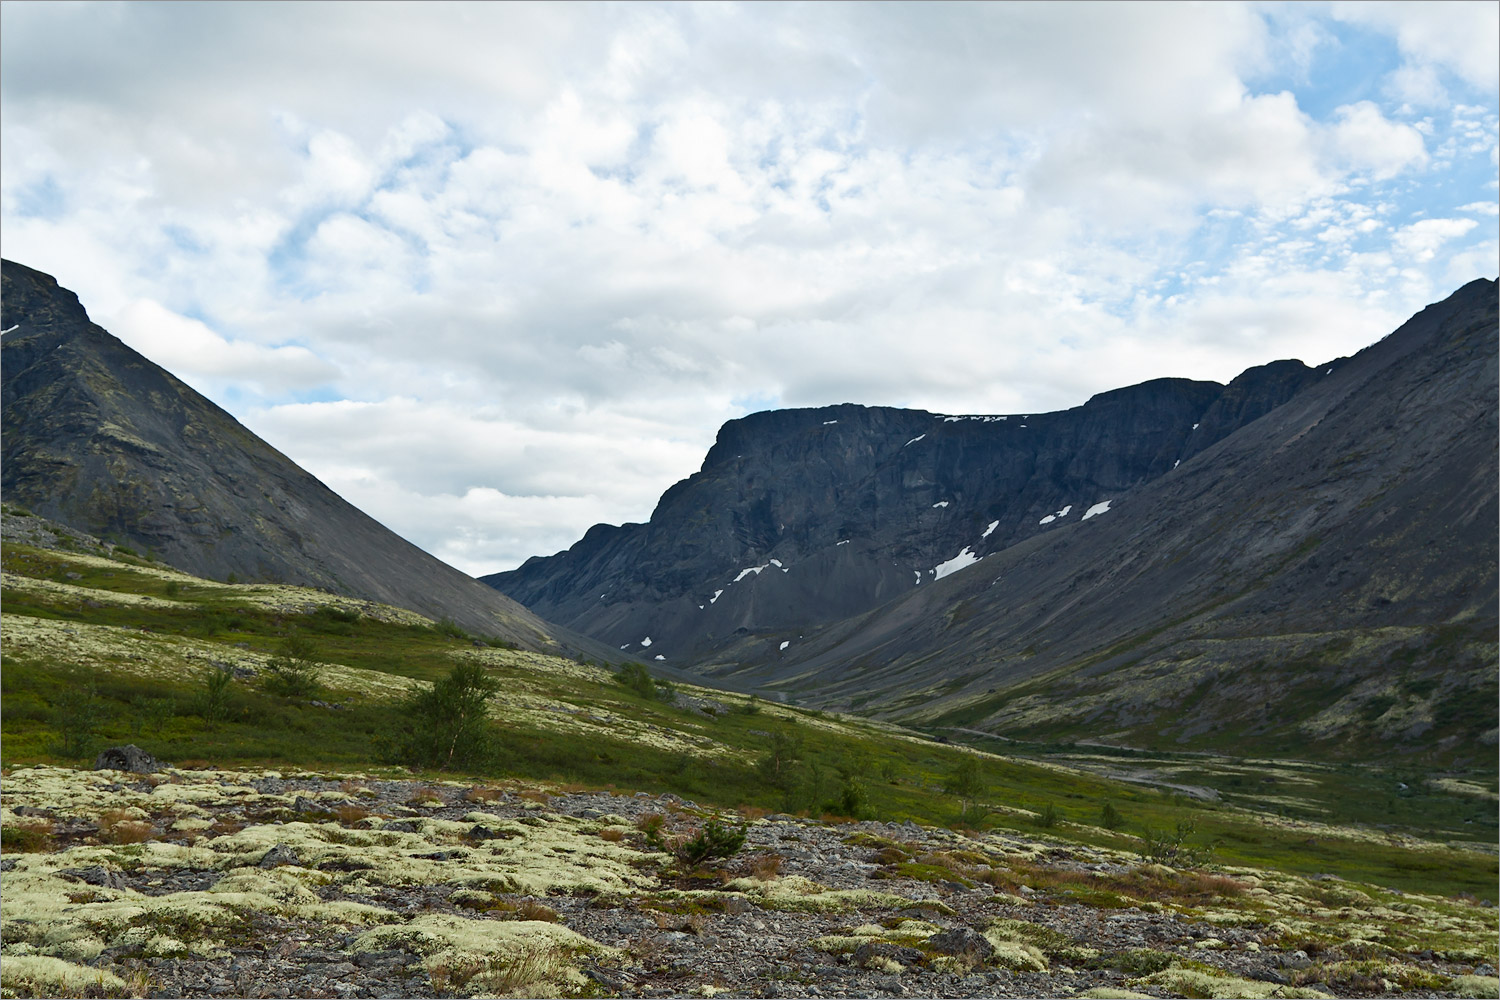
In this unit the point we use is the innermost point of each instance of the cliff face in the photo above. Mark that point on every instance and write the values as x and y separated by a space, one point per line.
1311 568
99 438
799 517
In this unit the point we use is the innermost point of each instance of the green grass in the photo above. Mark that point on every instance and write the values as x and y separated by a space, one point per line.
713 761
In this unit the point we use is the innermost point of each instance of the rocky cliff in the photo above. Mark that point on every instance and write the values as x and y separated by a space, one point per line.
800 517
102 440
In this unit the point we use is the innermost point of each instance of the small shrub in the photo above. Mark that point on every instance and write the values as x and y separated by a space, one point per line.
613 834
1171 847
448 627
215 696
77 714
714 840
1110 817
448 724
1048 817
637 678
173 588
293 671
653 825
28 836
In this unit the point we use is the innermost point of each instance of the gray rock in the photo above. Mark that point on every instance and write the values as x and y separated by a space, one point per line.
127 758
278 855
884 949
963 942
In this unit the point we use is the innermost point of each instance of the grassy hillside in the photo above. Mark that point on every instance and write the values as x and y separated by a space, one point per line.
102 650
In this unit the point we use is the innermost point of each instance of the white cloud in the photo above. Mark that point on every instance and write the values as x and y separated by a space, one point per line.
1369 141
1422 240
189 348
537 254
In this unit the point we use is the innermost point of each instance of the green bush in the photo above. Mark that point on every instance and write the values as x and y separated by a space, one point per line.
293 672
715 840
1171 847
1110 818
77 713
214 698
447 724
637 678
1048 817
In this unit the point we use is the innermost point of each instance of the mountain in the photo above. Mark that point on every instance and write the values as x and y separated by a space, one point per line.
102 440
1313 563
800 517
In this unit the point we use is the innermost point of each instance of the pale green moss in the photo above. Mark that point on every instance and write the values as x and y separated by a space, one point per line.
796 893
1192 983
44 976
1476 986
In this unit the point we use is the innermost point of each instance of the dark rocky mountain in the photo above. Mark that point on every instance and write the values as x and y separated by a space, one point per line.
801 517
1313 562
102 440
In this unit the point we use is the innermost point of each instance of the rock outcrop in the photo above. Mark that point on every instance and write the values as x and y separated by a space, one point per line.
102 440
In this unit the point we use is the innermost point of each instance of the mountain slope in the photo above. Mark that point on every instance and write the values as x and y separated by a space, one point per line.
799 517
100 439
1325 574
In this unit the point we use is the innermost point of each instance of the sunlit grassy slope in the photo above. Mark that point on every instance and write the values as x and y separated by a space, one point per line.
103 650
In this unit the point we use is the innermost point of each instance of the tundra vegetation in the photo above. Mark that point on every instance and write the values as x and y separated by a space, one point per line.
244 686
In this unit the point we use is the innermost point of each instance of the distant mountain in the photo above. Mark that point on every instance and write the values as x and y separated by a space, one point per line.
1305 556
801 517
102 440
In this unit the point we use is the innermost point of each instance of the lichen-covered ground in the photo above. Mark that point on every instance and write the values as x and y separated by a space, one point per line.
265 883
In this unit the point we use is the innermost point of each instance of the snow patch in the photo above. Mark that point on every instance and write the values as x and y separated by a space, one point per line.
958 562
919 578
827 422
844 542
645 642
660 657
941 503
11 330
753 569
1098 508
987 420
1176 463
785 644
1057 514
1195 427
990 530
717 593
915 440
777 564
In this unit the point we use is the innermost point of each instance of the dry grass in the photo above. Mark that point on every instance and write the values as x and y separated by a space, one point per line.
348 813
29 836
484 793
530 909
612 834
117 826
766 866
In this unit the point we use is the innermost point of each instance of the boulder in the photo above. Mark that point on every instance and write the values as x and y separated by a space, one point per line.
127 758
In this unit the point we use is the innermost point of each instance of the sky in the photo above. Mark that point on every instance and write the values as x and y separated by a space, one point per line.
498 272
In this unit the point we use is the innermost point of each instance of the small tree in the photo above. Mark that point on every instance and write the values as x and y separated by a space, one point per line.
449 725
637 678
293 671
716 840
77 713
1111 818
778 765
966 781
214 697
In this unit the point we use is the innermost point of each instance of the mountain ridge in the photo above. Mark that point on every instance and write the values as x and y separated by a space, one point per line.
101 439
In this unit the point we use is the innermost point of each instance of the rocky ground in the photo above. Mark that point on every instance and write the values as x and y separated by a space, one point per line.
268 884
